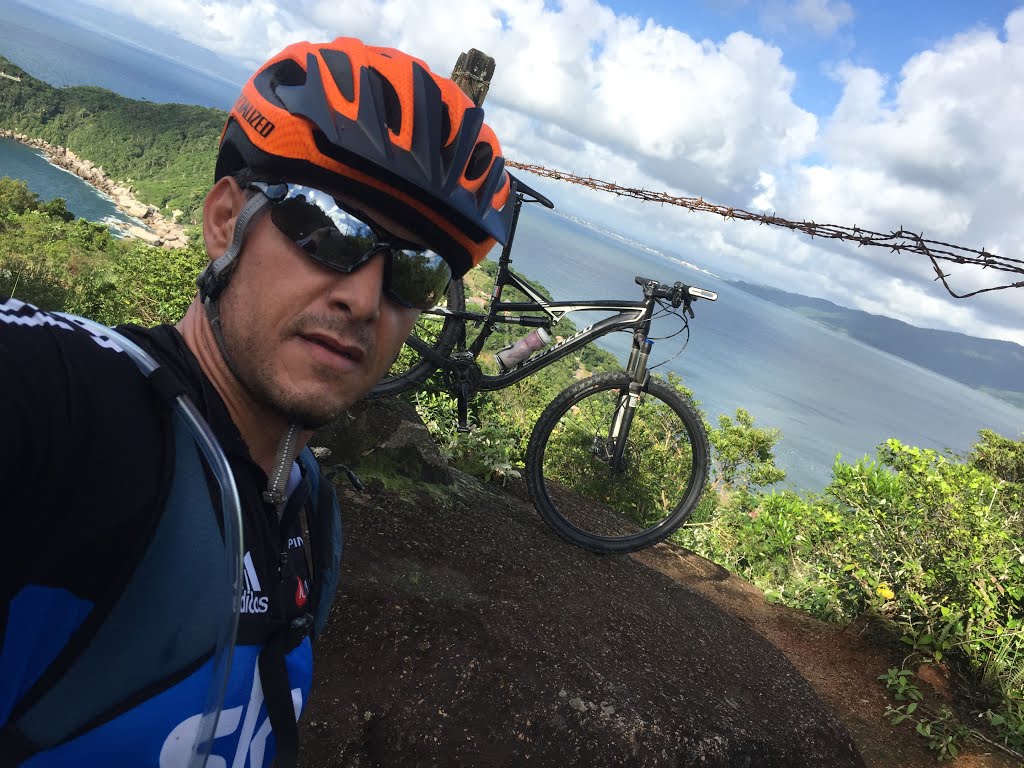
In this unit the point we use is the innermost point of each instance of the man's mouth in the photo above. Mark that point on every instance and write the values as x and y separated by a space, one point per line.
352 352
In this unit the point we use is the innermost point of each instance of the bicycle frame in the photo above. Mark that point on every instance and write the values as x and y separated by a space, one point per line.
634 315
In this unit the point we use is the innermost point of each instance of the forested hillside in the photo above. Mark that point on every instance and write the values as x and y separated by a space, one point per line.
996 367
167 151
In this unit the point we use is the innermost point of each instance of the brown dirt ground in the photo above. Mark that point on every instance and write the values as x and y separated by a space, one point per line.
841 663
361 663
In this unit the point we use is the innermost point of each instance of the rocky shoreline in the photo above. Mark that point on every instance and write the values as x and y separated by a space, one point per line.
158 230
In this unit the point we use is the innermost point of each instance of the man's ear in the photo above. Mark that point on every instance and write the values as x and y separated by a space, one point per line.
223 203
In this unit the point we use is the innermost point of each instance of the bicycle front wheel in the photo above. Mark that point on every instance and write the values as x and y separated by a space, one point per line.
595 502
438 332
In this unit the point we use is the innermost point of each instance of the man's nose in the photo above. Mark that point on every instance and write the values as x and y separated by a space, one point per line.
362 290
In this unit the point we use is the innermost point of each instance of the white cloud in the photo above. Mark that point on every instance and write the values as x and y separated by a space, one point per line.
939 152
705 115
765 194
949 132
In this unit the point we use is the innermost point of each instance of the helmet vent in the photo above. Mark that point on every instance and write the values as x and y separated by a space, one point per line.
283 73
340 66
446 124
479 161
392 105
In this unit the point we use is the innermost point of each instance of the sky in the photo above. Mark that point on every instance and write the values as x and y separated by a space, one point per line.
883 115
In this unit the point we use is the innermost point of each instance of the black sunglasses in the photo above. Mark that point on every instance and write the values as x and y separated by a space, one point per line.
343 240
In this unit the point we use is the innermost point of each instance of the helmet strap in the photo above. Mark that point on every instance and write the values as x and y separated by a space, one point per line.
214 279
212 283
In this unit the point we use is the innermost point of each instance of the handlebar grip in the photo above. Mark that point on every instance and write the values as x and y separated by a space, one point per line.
700 293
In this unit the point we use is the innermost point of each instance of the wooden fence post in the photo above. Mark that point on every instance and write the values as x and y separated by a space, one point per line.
473 72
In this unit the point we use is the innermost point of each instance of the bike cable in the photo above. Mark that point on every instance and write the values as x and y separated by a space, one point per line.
685 327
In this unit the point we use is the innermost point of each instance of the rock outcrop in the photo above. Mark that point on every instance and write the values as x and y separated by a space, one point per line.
465 633
153 228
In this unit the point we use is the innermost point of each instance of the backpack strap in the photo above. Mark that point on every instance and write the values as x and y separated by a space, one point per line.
320 519
324 541
277 693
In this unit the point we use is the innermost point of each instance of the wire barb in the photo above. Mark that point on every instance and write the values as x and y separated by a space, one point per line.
899 241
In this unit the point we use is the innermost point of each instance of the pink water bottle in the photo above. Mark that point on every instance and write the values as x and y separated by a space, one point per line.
512 355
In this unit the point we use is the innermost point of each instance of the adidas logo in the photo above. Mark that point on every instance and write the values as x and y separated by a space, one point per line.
251 602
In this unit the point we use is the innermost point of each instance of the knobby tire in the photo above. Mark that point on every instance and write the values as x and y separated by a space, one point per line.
573 485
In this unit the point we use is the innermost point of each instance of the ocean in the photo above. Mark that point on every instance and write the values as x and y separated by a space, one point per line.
827 393
93 51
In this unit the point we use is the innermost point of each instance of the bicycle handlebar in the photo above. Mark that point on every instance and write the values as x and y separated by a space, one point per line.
680 293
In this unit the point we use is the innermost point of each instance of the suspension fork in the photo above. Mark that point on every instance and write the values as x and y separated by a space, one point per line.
628 401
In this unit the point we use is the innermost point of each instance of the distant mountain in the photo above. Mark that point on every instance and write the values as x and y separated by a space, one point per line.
996 367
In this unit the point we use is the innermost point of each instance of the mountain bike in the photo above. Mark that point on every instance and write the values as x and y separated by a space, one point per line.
617 461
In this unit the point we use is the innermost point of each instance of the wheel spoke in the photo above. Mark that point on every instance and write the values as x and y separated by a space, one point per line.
616 509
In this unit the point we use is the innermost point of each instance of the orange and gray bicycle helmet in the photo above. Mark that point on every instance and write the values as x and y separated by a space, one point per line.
377 124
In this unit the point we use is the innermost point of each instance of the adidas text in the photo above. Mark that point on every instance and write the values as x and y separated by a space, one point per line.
253 604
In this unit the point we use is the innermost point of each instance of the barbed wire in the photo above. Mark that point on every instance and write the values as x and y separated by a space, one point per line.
897 241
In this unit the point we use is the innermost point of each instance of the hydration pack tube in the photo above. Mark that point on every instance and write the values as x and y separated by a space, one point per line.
167 384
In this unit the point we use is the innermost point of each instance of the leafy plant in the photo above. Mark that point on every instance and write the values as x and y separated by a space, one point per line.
744 454
55 262
899 683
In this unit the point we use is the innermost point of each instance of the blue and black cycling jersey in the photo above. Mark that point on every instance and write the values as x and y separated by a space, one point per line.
105 615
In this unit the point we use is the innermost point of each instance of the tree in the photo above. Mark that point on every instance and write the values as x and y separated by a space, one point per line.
16 197
744 455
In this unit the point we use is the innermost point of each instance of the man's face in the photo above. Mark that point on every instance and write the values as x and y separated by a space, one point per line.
303 339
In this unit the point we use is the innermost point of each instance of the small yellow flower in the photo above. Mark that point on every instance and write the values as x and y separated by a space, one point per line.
884 591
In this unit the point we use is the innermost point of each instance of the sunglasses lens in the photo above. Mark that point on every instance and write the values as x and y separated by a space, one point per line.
419 278
314 222
338 239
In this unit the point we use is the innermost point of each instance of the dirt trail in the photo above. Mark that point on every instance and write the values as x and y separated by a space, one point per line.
841 663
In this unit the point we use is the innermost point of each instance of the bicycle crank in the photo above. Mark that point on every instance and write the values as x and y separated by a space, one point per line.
463 377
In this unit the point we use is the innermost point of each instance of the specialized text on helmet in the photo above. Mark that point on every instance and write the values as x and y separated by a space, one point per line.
253 117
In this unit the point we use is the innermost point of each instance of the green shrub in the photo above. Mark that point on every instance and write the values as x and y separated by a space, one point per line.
928 544
72 265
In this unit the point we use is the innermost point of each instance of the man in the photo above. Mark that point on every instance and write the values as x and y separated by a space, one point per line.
351 185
